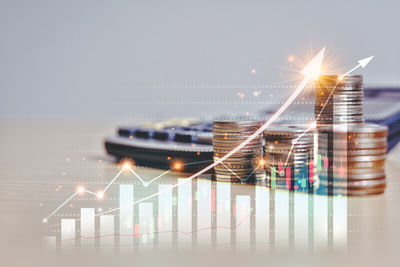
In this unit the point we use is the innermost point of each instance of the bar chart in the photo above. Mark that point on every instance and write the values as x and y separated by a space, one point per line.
202 213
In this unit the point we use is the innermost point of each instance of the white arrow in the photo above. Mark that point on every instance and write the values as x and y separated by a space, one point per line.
311 71
361 63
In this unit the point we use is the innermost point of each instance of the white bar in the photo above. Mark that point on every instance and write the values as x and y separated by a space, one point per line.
126 226
323 173
262 215
300 221
340 223
67 234
342 161
281 219
223 207
184 213
49 244
203 211
164 220
315 152
107 231
242 221
320 222
87 228
146 224
315 156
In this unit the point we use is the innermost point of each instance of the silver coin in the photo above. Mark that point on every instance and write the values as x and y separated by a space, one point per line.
244 152
285 130
352 141
237 174
246 172
360 165
235 142
369 128
335 110
352 177
337 100
381 145
352 159
355 184
236 129
236 123
365 171
353 152
353 193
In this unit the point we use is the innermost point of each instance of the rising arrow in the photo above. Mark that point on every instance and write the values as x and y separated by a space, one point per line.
361 63
311 72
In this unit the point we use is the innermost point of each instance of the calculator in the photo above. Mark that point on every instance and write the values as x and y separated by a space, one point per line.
162 144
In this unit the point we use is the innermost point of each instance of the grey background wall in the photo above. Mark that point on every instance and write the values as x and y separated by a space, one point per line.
84 58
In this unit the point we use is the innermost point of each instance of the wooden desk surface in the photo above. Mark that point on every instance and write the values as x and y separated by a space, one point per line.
42 163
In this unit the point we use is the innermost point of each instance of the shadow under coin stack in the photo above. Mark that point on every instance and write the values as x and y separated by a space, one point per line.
288 154
246 165
351 153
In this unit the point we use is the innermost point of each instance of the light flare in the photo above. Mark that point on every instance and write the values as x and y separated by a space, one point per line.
100 195
177 165
80 190
127 164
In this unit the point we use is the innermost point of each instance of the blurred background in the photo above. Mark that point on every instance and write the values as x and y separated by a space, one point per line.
99 59
112 62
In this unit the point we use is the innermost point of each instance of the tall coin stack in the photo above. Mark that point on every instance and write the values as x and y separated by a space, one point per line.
288 153
353 153
246 165
339 100
358 159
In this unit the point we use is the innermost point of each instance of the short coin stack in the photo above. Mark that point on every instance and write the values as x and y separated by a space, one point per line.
288 153
356 155
339 100
245 165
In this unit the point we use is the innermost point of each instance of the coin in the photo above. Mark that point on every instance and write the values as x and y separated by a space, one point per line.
240 166
291 146
360 149
354 177
355 185
341 191
353 152
353 146
357 129
339 101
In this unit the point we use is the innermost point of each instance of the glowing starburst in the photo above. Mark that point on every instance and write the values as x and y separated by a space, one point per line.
100 195
127 164
262 162
177 166
80 190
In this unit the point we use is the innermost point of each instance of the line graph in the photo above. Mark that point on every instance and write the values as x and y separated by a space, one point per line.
227 216
362 63
259 164
125 167
310 71
166 232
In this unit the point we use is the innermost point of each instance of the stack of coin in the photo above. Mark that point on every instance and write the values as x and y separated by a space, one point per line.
288 153
244 165
355 157
339 100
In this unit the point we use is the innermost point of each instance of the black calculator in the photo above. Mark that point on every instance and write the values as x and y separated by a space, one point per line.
162 144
